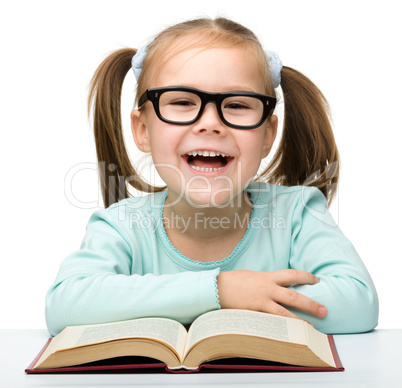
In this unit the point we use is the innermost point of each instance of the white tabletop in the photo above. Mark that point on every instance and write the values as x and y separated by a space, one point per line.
370 360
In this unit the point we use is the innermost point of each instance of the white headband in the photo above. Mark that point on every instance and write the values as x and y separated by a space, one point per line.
275 64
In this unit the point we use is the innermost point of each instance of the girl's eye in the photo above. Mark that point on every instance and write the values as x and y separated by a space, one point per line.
179 100
236 105
182 103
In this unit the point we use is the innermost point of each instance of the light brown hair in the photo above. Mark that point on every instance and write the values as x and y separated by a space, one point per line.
307 153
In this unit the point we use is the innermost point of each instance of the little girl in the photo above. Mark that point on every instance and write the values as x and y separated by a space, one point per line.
217 236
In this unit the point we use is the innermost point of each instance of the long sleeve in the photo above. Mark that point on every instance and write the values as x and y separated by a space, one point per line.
106 281
345 287
127 268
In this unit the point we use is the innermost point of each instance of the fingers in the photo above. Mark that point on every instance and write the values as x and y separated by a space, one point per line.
267 292
277 309
287 277
294 299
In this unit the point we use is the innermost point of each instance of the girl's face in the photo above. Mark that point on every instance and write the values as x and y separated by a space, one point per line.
189 177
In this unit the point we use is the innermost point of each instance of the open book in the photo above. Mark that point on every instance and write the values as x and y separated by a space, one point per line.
219 334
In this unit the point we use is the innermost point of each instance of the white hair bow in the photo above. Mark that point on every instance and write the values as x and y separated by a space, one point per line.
275 64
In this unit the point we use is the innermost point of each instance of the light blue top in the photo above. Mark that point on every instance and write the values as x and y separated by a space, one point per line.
127 267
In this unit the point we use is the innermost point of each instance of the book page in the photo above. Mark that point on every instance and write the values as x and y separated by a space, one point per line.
231 321
165 330
319 345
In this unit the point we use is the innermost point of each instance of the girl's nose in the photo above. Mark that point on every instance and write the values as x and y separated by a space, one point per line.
210 122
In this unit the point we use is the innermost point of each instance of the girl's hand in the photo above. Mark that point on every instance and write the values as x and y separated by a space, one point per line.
267 292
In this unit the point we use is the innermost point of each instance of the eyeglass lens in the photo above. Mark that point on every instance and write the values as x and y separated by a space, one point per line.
182 106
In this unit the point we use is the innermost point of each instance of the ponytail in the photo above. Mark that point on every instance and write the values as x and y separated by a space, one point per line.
115 168
307 153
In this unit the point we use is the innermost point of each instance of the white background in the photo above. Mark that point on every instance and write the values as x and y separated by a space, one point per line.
49 51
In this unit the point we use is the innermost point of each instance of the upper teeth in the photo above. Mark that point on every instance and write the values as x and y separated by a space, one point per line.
206 153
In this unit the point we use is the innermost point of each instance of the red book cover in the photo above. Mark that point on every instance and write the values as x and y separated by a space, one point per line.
149 365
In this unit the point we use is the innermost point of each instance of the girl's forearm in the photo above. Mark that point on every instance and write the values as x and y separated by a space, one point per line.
107 297
352 304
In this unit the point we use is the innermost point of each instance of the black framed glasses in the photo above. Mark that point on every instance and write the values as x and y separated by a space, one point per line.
181 105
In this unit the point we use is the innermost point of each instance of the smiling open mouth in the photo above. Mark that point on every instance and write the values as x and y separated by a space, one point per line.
207 161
